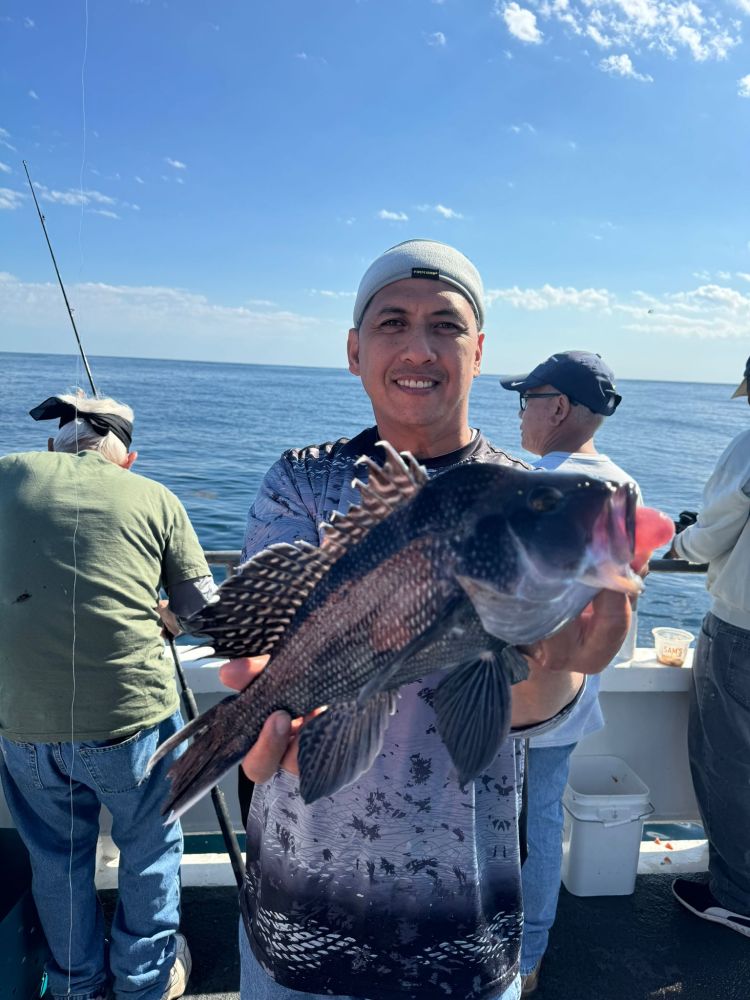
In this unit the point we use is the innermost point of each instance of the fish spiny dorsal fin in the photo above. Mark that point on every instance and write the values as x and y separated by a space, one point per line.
388 487
255 607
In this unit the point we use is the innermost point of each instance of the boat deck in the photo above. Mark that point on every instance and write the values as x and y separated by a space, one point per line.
639 947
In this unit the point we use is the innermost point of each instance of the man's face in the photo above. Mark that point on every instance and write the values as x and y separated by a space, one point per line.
537 418
417 351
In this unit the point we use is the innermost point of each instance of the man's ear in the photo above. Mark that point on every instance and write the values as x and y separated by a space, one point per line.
127 462
50 444
352 351
562 408
478 354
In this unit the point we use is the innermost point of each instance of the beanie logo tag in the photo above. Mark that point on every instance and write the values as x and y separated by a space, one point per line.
425 272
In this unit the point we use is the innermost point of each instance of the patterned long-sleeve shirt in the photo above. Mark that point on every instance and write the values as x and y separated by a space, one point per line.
405 884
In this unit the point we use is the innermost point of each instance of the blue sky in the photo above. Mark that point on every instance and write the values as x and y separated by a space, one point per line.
217 175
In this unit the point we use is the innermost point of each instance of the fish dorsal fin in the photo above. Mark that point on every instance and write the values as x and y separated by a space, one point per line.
388 487
256 606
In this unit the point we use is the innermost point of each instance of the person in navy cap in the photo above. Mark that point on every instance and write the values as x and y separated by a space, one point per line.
563 403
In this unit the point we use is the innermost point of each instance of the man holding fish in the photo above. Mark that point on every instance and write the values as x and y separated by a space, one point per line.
382 842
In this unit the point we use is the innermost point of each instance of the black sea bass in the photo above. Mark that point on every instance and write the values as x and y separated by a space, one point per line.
423 576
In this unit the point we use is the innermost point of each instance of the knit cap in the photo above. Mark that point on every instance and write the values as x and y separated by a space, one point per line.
421 259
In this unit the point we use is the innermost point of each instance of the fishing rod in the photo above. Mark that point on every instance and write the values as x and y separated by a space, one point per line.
217 796
62 287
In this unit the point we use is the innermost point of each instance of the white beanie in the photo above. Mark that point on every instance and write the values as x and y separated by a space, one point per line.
421 259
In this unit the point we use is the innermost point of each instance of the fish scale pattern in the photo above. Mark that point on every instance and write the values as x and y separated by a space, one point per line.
405 878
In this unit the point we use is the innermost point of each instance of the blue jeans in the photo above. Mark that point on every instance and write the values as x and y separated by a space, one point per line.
547 774
54 792
256 984
719 751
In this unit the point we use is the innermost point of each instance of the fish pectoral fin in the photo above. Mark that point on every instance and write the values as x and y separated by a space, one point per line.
342 743
473 708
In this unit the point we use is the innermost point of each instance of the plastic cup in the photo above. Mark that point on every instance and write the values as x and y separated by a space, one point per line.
672 645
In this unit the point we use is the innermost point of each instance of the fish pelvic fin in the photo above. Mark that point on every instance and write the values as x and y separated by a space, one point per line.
220 743
473 709
339 745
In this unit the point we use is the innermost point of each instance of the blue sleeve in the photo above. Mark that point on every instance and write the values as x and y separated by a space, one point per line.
279 512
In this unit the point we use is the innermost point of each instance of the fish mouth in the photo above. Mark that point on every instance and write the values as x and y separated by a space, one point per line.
613 544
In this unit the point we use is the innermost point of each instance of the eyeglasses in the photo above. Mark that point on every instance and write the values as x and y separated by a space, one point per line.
525 396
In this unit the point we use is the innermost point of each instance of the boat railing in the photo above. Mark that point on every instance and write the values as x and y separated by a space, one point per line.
229 560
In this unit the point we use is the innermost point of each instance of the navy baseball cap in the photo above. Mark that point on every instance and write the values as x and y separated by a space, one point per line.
580 375
742 388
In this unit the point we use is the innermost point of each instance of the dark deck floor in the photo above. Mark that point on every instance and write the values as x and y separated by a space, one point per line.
640 947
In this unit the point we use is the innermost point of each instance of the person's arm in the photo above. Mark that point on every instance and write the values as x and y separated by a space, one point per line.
279 512
557 665
726 507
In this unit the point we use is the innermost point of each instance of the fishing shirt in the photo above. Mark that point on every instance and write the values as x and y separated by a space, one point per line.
84 548
404 884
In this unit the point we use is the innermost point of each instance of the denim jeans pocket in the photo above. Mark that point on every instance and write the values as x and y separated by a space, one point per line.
119 767
21 760
736 670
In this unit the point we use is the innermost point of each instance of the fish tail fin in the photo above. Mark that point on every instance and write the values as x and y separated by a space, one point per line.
219 745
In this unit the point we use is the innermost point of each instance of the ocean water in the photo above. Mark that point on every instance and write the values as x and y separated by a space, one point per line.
210 431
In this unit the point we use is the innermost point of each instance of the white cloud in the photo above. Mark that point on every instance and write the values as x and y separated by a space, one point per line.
447 213
177 164
139 180
151 320
28 23
523 127
384 213
4 168
710 311
550 296
105 212
73 196
328 294
441 210
4 140
521 23
622 66
33 95
10 200
668 27
743 86
436 39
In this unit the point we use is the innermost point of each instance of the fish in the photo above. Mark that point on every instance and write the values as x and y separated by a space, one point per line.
446 574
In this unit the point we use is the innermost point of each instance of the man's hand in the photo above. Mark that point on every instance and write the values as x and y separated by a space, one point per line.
590 641
170 625
276 746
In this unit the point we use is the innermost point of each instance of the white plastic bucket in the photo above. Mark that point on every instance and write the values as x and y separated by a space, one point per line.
605 803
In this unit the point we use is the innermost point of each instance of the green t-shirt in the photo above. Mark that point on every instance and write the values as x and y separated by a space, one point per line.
84 548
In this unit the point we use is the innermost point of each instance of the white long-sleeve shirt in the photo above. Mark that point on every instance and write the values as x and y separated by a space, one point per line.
721 535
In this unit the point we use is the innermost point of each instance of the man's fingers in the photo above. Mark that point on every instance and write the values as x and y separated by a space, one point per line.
262 762
237 674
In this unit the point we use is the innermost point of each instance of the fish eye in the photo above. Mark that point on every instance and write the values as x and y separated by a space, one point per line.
544 499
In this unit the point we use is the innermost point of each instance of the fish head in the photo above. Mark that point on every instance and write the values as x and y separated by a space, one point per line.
536 547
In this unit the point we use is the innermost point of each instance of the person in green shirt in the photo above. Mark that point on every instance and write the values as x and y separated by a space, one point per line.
87 693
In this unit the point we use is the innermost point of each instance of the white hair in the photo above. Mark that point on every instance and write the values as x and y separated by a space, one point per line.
586 420
80 436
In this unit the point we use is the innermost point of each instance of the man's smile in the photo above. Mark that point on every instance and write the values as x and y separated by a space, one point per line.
415 382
